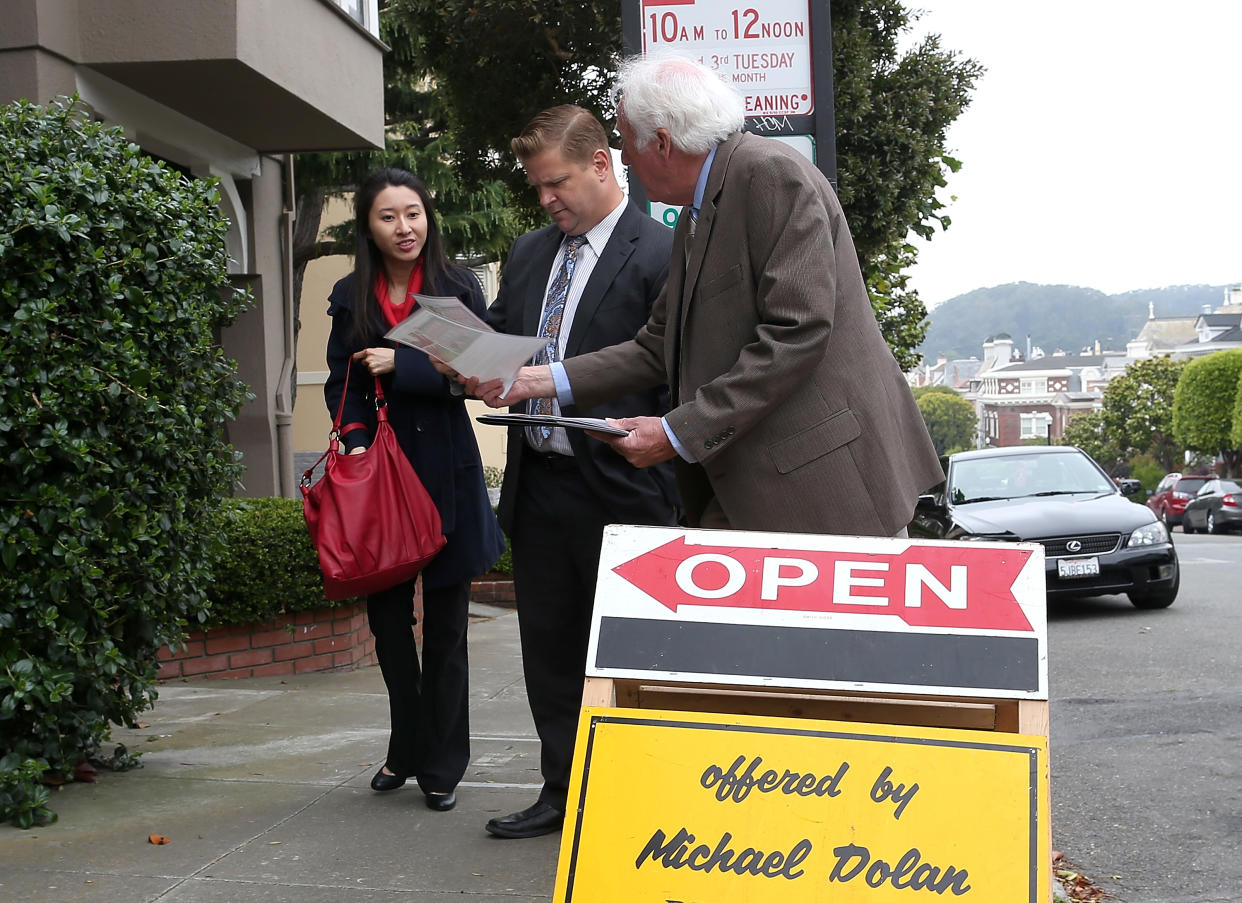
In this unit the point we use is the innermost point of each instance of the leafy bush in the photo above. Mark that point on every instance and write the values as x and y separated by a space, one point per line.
951 420
268 565
504 564
1235 432
1086 431
1147 470
113 282
1203 406
23 799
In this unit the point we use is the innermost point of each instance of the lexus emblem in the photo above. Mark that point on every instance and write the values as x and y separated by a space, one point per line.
1074 545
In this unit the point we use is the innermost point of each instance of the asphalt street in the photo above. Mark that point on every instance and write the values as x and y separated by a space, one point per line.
1146 721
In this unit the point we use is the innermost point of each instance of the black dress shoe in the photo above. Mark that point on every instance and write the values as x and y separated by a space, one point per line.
441 802
540 818
384 782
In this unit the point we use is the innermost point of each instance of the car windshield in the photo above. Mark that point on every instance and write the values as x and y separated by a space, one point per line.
1024 476
1190 485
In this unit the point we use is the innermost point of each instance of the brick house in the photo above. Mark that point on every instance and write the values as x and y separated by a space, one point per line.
1022 400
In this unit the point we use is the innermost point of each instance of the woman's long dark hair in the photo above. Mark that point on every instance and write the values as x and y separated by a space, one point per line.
438 276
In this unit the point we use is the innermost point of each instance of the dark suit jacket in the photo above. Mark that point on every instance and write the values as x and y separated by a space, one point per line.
615 303
432 427
784 389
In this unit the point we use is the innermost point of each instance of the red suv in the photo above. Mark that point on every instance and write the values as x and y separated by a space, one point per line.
1175 490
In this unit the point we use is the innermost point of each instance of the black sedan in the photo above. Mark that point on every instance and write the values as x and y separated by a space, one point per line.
1216 507
1096 542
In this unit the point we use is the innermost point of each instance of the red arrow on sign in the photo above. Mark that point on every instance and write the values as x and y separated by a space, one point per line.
926 586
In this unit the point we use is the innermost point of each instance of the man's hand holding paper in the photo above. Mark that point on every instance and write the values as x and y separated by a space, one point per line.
529 382
645 444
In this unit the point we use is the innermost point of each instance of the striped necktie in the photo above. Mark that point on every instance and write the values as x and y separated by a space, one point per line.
553 313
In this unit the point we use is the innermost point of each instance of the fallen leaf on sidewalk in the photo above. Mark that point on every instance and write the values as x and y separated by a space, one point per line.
1077 886
157 839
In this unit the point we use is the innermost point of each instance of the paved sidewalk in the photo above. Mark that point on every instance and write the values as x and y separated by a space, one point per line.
261 786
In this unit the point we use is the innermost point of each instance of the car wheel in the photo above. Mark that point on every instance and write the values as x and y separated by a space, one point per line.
1164 517
1211 523
1161 598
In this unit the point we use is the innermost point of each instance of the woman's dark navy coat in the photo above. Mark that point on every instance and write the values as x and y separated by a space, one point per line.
432 427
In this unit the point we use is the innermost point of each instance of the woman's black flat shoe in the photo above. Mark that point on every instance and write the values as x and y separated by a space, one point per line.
382 782
441 802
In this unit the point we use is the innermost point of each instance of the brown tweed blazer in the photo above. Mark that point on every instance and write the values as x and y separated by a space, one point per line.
783 387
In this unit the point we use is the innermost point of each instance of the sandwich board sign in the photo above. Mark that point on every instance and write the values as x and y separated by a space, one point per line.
827 612
680 807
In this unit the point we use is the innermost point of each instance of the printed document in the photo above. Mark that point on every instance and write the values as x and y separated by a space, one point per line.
447 330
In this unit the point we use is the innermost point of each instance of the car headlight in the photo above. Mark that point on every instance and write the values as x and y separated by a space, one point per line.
1151 535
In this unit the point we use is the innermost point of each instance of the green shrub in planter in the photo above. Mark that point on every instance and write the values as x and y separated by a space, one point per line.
504 565
113 394
268 565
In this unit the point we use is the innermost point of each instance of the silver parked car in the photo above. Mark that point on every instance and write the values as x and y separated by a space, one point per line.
1216 507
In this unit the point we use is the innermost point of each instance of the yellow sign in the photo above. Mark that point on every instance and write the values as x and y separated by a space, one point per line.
680 807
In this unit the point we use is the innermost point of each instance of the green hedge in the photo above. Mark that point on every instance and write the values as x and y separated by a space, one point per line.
113 283
268 565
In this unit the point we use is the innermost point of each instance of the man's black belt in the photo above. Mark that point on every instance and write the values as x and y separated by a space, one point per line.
549 460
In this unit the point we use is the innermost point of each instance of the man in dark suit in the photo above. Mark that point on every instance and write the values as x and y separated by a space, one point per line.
586 282
788 410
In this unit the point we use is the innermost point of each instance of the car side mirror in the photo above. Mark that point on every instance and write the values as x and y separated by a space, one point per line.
927 503
1130 487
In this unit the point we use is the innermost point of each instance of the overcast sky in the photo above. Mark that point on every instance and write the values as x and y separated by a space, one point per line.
1102 147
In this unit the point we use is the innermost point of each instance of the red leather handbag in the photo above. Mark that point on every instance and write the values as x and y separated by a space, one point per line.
369 516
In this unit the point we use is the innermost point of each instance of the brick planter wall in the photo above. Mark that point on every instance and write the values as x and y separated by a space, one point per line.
320 640
317 640
493 589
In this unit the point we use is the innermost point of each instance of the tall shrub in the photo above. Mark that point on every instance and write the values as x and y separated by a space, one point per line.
951 421
113 394
1203 406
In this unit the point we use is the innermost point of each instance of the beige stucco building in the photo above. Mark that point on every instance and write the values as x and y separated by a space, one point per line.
225 89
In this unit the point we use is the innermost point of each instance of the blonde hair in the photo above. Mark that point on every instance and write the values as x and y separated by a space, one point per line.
572 130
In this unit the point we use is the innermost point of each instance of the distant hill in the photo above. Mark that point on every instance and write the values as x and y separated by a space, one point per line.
1056 317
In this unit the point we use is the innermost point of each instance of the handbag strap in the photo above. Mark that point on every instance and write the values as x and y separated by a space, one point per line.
381 413
340 408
